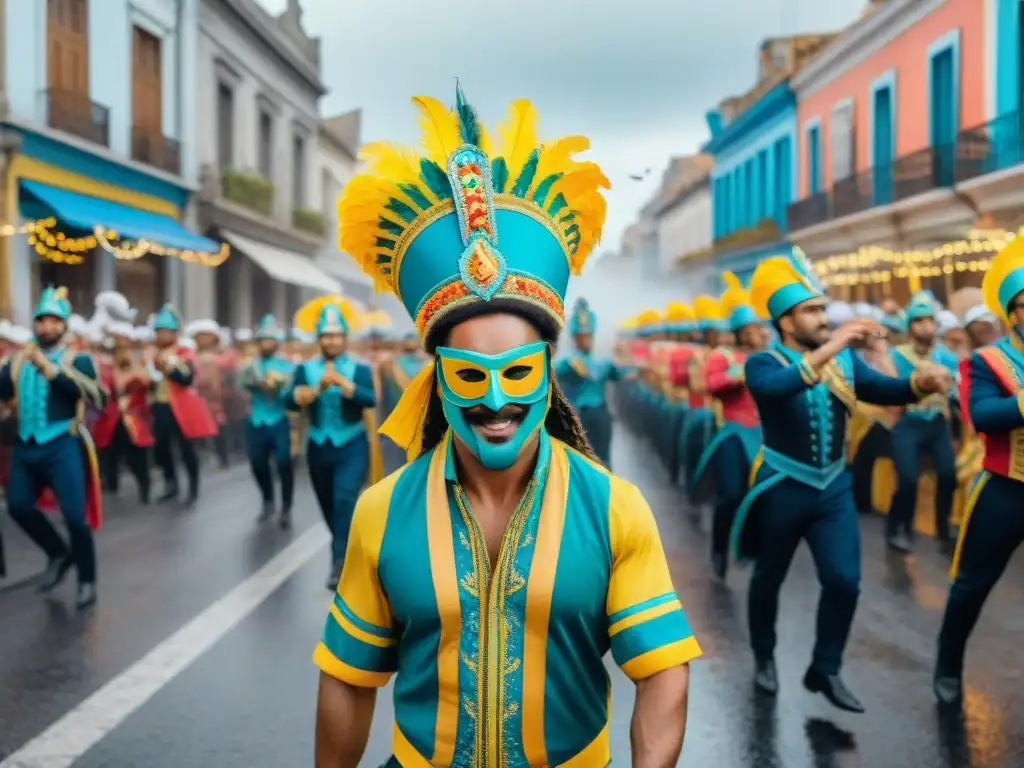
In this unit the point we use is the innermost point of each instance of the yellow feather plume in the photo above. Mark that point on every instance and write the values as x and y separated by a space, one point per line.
518 135
648 318
679 312
1008 260
397 163
771 275
557 157
706 308
308 314
734 296
60 293
440 126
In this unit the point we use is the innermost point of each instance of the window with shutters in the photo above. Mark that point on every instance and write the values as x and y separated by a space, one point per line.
298 172
67 44
266 145
841 142
147 82
225 126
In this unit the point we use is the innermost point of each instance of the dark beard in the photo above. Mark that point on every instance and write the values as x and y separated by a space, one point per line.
48 342
806 340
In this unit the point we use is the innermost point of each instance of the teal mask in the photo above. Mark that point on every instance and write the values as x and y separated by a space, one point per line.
516 377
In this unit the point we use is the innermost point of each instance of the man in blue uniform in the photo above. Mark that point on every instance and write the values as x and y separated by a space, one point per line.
804 386
923 430
993 525
51 386
335 390
584 378
267 378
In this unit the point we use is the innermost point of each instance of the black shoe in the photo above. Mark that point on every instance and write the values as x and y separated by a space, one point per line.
86 596
949 690
900 542
334 577
720 564
266 512
55 572
832 688
766 678
171 494
285 521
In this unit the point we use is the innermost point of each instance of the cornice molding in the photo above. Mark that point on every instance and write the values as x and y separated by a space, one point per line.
860 41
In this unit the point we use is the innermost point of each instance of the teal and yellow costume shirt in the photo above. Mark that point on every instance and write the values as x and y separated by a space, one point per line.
503 668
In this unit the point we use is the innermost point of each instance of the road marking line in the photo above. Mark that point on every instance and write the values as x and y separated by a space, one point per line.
70 737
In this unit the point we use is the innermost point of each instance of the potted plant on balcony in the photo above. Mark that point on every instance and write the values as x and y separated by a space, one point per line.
308 220
249 189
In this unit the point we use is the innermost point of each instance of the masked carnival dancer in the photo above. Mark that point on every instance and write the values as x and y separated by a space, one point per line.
738 439
922 430
180 415
124 430
993 525
493 573
267 378
334 390
804 386
52 385
584 378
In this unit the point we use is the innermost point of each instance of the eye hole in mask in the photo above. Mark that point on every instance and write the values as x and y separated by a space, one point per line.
517 372
471 375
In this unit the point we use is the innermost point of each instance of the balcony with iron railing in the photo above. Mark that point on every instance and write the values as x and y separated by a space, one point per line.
987 148
76 114
153 148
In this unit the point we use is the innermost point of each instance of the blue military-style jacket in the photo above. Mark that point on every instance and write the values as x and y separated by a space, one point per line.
48 409
333 418
804 414
906 360
267 409
584 378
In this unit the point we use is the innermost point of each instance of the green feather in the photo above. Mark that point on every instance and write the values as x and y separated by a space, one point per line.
383 258
557 204
406 213
525 179
436 179
499 174
469 126
544 188
414 194
382 242
391 227
573 230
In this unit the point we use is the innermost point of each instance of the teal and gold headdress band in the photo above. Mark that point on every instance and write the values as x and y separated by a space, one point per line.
459 224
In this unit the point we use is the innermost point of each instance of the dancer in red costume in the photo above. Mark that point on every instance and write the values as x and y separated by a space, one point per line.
180 416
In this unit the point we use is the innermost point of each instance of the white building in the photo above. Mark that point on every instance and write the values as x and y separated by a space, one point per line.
259 127
682 218
97 114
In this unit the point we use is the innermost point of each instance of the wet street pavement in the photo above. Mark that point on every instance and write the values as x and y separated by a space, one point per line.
198 653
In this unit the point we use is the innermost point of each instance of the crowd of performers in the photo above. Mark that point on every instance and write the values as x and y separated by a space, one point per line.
83 400
789 415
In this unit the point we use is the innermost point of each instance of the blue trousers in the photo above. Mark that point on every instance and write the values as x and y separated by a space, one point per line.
597 423
785 515
994 532
338 473
57 465
913 438
264 442
732 469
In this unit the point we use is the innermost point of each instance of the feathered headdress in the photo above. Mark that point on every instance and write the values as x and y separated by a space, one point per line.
460 224
734 303
1004 279
680 317
780 283
53 302
332 312
583 319
709 314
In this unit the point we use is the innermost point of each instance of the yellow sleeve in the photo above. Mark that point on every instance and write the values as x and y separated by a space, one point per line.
359 643
647 627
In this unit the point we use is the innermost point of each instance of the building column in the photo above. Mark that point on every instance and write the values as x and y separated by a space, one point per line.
241 297
104 271
280 304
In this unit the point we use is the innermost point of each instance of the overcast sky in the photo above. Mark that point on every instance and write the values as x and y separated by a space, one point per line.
636 76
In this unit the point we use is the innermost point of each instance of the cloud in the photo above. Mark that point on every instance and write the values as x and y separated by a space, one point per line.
635 76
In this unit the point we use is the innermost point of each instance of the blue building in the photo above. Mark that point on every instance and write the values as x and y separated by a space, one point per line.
98 122
754 178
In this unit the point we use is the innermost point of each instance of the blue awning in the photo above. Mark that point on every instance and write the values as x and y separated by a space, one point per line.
85 213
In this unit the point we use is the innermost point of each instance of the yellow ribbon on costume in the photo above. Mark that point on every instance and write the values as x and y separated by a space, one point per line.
404 426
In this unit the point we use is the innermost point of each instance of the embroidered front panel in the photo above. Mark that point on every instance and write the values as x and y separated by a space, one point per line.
482 268
493 634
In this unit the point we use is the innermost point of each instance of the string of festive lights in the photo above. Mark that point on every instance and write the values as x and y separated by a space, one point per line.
61 248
